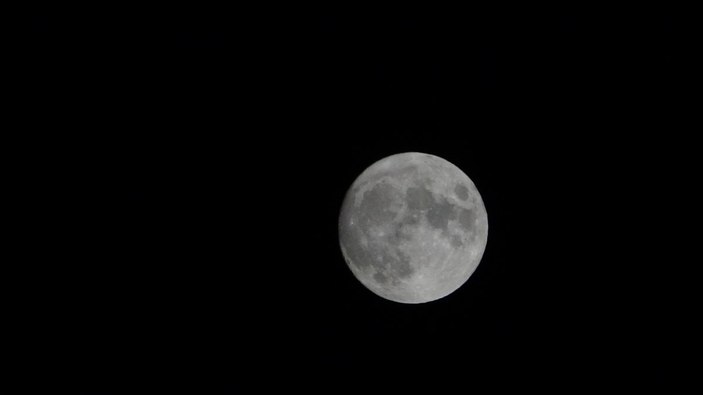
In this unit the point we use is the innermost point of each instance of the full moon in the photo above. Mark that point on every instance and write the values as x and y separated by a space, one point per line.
413 228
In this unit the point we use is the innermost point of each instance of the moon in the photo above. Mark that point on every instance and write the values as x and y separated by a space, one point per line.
413 228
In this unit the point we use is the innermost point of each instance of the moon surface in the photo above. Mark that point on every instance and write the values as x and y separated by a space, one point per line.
413 228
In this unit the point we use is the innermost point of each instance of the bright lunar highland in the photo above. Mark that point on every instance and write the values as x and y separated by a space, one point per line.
413 228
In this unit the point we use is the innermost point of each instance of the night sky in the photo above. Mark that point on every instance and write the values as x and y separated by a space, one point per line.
196 161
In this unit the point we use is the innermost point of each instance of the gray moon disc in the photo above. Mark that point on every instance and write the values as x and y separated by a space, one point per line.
413 228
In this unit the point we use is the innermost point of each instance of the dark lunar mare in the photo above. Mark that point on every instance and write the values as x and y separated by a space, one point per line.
461 191
467 218
438 213
375 210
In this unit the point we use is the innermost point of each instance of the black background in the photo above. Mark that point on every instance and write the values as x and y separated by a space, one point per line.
194 162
